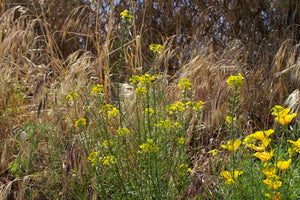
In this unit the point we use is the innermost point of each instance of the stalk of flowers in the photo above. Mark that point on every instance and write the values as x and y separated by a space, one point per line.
235 81
97 90
251 140
184 85
156 48
126 16
149 146
232 145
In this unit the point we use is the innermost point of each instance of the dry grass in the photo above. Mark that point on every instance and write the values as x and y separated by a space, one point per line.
39 66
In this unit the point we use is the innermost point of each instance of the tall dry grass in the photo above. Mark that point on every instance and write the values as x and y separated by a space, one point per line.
41 61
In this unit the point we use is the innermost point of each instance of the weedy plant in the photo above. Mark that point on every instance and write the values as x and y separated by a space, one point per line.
262 165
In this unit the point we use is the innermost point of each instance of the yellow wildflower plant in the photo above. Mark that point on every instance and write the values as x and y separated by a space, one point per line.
181 140
107 143
282 115
250 140
284 165
149 146
276 110
184 168
126 15
135 80
149 111
235 81
214 152
269 171
273 182
229 177
264 156
123 131
147 79
140 90
177 107
113 113
184 84
295 143
261 135
274 196
165 124
229 120
156 48
198 106
71 96
93 158
108 160
262 146
97 90
81 122
232 146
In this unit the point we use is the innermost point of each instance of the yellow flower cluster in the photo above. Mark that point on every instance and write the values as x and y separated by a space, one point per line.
97 90
166 124
214 152
149 111
108 160
235 81
274 196
185 84
230 178
149 146
107 143
183 168
126 15
198 106
110 110
181 140
273 182
282 115
72 96
229 120
81 122
123 131
93 158
156 48
232 145
251 140
179 106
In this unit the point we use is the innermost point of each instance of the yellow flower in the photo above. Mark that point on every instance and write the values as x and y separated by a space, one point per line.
108 160
72 96
269 171
80 122
179 106
166 124
264 156
274 196
250 140
214 152
198 106
273 182
149 111
230 179
93 158
235 81
184 84
284 165
184 168
149 146
123 131
140 90
261 135
232 146
283 117
156 48
262 146
229 120
107 143
113 113
96 91
181 140
147 79
126 15
295 143
276 110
